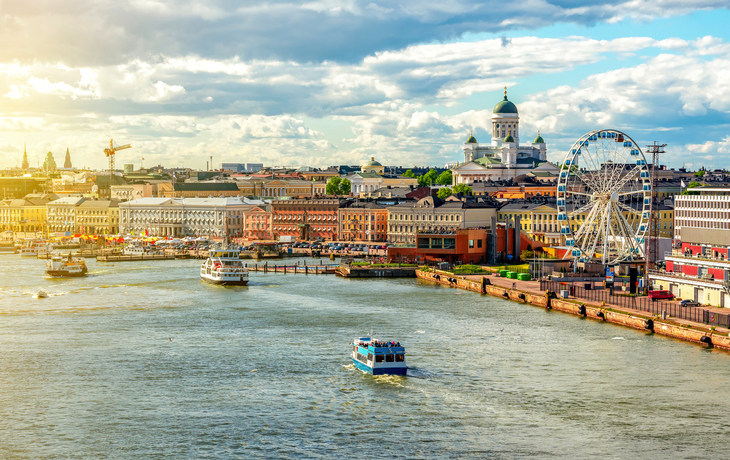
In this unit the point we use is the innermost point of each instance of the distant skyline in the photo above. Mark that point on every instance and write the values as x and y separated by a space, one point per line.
336 82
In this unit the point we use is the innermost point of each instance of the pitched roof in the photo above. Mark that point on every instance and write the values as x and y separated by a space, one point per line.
206 187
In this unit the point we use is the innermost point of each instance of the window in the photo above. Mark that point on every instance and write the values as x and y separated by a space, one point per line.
379 358
400 358
389 358
479 243
471 244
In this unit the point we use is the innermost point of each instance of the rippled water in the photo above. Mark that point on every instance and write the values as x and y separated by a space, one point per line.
143 360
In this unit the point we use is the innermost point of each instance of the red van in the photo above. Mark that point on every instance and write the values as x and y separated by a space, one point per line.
661 295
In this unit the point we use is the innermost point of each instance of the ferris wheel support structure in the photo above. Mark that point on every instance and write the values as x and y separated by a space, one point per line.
604 198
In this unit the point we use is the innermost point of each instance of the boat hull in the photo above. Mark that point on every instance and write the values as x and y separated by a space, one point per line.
65 274
380 371
236 282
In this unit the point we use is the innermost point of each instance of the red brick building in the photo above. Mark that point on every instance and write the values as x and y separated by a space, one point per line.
305 218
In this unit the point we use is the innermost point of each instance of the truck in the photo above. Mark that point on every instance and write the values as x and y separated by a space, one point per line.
286 239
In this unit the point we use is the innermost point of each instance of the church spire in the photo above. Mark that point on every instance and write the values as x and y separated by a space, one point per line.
67 161
24 166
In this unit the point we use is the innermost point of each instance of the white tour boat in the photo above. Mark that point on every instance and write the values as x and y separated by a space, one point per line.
224 267
66 266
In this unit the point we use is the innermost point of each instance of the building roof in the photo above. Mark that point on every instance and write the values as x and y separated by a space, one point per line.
100 204
538 139
369 175
505 106
372 162
471 140
68 200
487 161
206 187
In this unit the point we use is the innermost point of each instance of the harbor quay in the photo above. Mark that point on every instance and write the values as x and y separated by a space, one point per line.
647 318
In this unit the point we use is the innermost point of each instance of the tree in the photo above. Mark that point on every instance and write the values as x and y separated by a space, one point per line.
345 187
444 178
410 174
463 189
444 192
700 173
338 186
692 184
428 179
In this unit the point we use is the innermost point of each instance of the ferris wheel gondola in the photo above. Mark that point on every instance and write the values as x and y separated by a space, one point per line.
604 198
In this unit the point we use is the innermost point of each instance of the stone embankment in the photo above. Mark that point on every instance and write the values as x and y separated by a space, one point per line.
676 329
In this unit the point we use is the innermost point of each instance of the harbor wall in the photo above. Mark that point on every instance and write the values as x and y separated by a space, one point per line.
678 330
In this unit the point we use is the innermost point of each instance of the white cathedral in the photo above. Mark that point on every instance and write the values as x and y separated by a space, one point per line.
504 158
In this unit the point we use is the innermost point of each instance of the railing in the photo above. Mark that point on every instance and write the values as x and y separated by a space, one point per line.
645 304
708 278
681 254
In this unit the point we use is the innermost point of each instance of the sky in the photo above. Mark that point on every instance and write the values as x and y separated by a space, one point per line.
331 82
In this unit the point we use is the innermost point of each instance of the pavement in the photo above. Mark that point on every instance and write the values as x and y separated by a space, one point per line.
533 287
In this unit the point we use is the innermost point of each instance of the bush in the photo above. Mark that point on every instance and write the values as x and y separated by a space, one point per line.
468 270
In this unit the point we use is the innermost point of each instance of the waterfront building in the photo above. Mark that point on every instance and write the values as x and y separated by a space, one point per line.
179 217
61 213
305 218
372 177
363 221
698 267
539 218
97 217
26 214
257 222
430 214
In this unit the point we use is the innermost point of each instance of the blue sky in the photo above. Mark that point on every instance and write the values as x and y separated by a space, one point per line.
338 81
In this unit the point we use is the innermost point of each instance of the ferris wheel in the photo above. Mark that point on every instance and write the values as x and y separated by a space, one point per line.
604 198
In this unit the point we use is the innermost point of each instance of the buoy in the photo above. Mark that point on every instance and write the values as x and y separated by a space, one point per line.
601 315
649 324
582 310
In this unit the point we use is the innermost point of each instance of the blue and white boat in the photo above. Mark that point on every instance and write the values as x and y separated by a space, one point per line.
379 358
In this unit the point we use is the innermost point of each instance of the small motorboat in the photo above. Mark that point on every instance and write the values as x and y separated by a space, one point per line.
41 294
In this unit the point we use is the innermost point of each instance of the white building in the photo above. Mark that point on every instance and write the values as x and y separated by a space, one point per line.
61 213
372 177
180 217
504 157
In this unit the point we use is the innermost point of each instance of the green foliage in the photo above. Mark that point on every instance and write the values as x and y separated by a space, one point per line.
445 178
428 178
700 173
468 270
345 187
526 254
463 189
692 184
410 174
444 193
338 186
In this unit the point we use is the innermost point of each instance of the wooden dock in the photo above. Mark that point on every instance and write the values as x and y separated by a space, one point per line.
293 269
134 258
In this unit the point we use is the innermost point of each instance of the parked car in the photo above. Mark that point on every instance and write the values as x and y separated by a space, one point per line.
660 295
689 303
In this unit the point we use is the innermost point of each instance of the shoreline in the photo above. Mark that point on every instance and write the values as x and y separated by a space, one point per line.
686 331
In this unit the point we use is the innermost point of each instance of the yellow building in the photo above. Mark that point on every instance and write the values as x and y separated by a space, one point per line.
270 188
25 214
97 217
539 221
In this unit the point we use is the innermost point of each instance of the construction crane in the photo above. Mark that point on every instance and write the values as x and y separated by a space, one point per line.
111 152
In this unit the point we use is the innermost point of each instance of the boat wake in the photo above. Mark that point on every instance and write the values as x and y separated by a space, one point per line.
420 373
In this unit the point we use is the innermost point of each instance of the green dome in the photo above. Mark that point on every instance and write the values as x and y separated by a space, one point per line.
372 162
471 140
509 138
505 106
538 139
